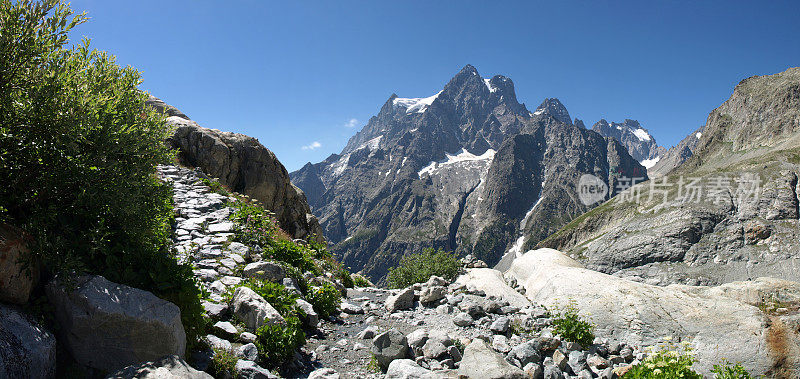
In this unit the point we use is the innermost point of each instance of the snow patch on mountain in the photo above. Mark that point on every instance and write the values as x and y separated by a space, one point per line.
462 156
698 135
489 85
415 105
641 134
647 163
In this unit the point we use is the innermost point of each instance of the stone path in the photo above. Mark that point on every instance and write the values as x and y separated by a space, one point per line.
432 318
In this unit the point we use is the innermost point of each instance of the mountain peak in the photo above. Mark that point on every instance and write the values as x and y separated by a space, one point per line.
554 108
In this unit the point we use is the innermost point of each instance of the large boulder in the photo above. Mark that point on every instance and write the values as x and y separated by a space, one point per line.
244 165
389 346
265 270
402 301
717 325
107 326
253 310
408 369
481 362
492 283
169 367
26 349
18 272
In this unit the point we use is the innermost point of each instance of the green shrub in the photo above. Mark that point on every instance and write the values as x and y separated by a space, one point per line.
291 253
727 370
275 294
255 226
324 298
667 363
419 267
568 324
215 186
223 364
277 343
360 281
78 152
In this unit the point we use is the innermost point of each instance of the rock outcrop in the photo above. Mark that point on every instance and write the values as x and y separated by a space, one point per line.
19 272
169 367
243 165
26 349
729 213
637 140
717 325
108 326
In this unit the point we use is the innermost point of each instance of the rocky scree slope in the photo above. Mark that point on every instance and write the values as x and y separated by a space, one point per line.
466 169
243 165
744 224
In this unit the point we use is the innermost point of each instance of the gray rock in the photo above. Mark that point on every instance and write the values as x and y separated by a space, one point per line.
311 317
577 361
369 332
247 337
553 372
462 319
253 310
221 227
265 270
250 370
406 369
500 344
402 301
16 280
26 349
225 329
480 362
434 349
417 339
454 353
389 346
351 308
248 352
501 325
523 354
239 249
432 294
169 367
324 373
217 343
107 325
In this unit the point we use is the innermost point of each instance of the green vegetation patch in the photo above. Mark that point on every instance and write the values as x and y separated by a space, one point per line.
419 267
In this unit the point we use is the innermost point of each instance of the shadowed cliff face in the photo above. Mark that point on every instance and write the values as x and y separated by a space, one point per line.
729 212
460 170
243 165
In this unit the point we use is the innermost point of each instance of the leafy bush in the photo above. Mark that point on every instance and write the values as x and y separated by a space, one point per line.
277 343
223 364
419 267
275 294
324 298
727 370
667 363
568 324
78 151
360 281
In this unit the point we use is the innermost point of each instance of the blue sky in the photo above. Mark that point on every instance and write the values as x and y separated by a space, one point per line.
304 76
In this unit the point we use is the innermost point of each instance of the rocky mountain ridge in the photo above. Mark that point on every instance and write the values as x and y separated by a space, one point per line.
428 171
640 144
738 221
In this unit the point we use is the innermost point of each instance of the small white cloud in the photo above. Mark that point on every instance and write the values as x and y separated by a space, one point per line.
351 124
312 146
